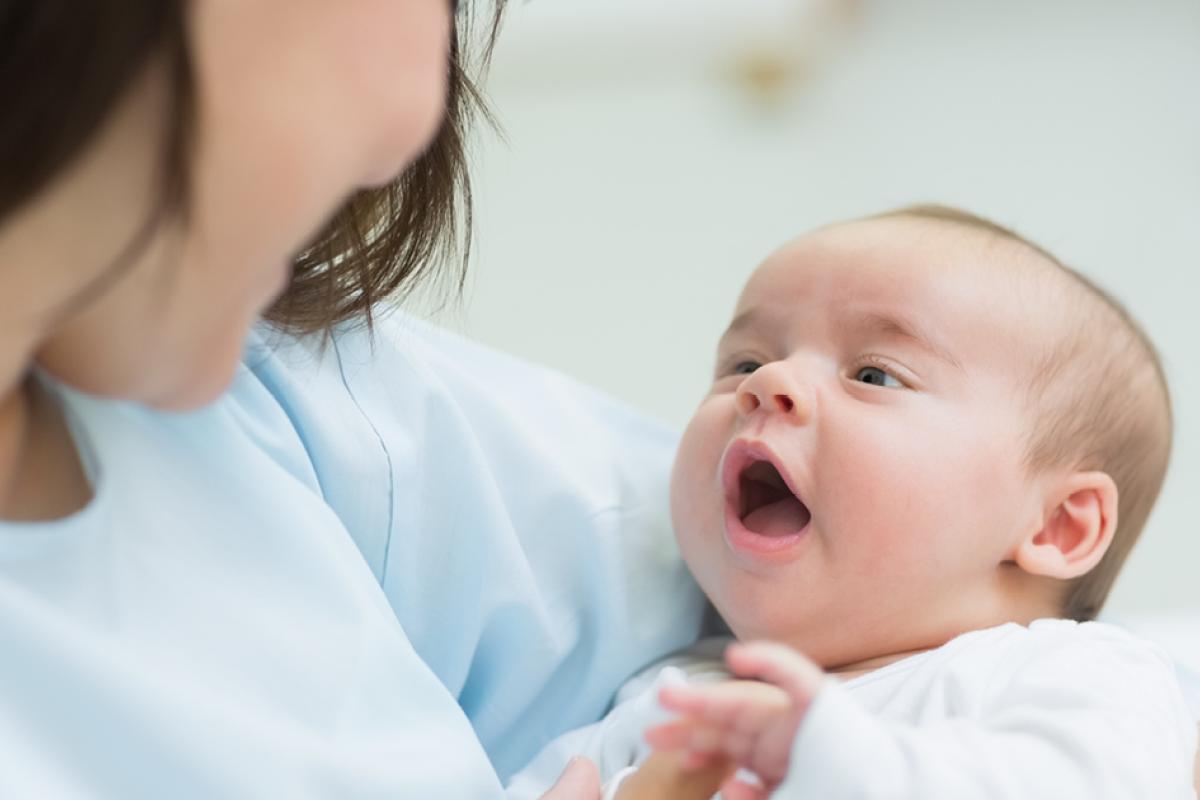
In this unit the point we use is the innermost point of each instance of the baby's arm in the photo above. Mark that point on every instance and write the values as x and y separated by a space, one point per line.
1090 725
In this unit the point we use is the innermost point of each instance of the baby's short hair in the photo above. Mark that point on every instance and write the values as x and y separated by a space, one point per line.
1099 399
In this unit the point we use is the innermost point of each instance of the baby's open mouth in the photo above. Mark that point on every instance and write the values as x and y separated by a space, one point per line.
766 504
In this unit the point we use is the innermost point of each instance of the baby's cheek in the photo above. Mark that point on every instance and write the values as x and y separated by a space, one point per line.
695 491
870 479
884 503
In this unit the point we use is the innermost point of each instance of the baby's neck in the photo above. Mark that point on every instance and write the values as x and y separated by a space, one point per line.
1027 604
859 668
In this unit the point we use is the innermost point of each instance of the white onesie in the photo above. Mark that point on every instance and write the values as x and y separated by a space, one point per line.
1056 710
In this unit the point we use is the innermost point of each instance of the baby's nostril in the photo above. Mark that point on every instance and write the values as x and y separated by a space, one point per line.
784 403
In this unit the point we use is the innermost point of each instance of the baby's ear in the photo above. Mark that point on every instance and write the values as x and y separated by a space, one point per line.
1078 524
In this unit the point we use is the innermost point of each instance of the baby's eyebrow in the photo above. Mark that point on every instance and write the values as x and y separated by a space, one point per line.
897 327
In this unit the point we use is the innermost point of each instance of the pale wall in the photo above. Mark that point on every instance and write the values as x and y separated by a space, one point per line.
616 225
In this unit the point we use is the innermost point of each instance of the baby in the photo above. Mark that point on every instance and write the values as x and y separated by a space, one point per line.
901 494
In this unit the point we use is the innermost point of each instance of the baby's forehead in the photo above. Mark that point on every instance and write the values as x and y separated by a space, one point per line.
902 258
961 283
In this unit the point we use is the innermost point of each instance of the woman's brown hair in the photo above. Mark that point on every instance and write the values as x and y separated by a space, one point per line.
65 63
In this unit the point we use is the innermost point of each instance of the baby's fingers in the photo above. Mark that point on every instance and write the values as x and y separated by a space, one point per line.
779 665
741 705
701 743
697 738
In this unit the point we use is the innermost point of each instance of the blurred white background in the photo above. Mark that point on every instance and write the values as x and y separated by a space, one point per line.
657 150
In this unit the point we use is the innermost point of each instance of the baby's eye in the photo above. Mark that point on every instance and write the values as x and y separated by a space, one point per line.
745 367
877 377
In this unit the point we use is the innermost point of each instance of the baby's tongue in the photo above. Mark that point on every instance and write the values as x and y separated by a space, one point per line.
780 518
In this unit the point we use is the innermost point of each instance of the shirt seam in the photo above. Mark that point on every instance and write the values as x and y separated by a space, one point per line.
387 456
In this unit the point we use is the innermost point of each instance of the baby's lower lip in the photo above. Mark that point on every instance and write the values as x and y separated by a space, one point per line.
758 547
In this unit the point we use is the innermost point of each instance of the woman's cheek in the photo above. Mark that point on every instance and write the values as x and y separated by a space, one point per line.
404 87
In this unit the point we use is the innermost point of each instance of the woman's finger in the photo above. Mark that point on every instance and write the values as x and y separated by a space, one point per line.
737 789
579 781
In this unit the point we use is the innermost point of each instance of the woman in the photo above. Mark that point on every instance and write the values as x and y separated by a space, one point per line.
326 562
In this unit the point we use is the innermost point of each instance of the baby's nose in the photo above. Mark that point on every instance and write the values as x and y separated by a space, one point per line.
750 401
771 389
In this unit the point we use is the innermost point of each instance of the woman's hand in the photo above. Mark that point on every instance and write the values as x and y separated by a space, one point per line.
579 781
751 724
1198 772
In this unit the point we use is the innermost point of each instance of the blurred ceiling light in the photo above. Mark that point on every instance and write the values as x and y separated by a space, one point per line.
764 45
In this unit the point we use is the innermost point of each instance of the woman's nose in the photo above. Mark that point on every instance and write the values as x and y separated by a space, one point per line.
771 389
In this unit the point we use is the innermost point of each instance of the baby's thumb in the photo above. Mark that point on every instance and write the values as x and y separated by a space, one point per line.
579 781
778 664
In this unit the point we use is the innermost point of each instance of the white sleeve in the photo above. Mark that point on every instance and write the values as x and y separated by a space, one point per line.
1075 723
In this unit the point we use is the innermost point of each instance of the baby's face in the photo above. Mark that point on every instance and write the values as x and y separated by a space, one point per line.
853 483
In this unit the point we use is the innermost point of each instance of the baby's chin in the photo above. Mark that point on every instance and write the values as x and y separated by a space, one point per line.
832 637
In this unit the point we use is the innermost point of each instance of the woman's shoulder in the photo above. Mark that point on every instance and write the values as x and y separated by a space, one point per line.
384 414
404 396
406 373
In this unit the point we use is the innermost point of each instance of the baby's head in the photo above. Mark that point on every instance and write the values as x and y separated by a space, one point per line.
919 425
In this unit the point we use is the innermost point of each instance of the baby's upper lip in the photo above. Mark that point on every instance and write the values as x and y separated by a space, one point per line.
741 453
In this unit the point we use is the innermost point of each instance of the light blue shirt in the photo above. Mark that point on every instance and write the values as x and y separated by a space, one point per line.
389 567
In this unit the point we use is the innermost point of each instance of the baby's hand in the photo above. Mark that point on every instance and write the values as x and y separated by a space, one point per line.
751 722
